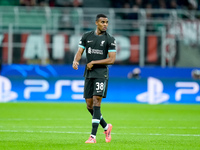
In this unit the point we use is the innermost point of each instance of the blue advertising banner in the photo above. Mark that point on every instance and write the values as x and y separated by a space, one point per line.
114 71
23 83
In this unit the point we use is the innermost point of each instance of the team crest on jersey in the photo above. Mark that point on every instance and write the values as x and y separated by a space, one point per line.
102 42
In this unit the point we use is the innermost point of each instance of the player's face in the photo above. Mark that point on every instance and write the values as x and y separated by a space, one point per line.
102 24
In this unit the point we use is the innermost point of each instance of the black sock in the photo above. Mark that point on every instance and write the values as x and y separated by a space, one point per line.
95 119
102 121
91 111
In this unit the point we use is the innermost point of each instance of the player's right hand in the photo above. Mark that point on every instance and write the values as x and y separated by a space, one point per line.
75 65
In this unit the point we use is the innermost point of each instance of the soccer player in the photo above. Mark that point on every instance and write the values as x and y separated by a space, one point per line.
100 50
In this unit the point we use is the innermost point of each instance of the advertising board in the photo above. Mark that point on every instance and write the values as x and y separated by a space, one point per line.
63 84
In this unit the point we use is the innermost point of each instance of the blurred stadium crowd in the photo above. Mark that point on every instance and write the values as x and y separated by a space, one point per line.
51 3
135 4
157 4
127 14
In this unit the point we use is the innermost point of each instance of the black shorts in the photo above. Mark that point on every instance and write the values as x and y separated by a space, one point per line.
95 87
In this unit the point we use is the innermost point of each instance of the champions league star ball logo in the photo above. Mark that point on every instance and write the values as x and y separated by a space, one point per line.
6 94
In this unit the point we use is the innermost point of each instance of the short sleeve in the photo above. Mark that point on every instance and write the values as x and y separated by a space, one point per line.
112 44
82 43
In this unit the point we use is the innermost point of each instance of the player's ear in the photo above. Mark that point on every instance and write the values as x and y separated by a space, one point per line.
96 22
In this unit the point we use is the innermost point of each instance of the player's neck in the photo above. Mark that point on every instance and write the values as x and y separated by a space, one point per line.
98 32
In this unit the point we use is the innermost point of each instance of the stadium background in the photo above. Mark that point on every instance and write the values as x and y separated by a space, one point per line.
153 94
157 49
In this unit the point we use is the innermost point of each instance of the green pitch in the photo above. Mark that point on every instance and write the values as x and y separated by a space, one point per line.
52 126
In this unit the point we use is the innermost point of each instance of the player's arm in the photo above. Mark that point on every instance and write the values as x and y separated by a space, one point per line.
77 58
108 61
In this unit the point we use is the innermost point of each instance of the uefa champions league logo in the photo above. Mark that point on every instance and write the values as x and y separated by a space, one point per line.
154 94
6 94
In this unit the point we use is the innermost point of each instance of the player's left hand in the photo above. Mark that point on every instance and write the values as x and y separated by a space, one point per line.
89 66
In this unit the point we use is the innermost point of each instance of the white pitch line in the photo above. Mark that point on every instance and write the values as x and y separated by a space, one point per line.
79 127
46 127
66 119
37 119
29 131
150 134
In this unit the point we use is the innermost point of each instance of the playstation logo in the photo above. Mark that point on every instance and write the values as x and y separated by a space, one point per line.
6 94
154 94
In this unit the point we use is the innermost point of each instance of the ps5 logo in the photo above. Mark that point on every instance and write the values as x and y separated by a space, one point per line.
6 94
186 88
154 94
35 86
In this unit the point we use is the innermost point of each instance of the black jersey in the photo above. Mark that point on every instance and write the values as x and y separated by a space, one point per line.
97 48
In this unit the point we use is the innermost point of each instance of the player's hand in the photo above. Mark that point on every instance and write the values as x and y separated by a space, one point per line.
75 65
89 66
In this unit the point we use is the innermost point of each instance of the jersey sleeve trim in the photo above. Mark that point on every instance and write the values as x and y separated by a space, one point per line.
111 50
81 46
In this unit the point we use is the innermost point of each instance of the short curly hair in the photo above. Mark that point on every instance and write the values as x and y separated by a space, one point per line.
100 15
